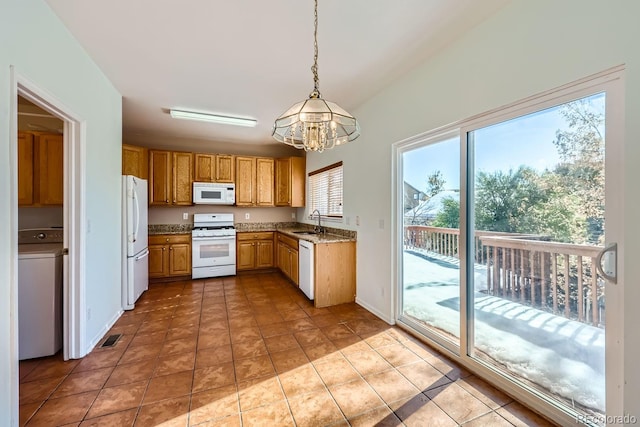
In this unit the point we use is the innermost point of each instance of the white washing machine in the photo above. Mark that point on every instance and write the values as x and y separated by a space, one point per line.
40 254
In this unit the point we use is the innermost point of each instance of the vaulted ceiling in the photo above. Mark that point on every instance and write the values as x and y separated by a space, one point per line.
252 58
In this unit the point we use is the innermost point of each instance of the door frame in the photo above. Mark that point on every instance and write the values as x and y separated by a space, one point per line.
74 216
611 81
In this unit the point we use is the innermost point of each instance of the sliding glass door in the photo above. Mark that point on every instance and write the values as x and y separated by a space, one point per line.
506 255
431 227
538 186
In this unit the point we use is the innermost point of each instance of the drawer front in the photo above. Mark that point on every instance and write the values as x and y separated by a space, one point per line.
163 239
258 235
289 241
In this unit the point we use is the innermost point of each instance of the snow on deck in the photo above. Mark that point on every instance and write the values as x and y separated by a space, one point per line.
561 355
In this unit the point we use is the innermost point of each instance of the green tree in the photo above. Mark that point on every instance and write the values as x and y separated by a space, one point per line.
581 171
449 216
504 200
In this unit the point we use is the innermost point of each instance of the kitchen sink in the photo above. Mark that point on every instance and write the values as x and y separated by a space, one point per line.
305 232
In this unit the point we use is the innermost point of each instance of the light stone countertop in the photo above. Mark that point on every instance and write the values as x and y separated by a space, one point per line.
333 235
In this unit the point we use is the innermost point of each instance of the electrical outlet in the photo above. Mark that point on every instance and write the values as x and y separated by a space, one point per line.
293 215
357 219
247 215
185 215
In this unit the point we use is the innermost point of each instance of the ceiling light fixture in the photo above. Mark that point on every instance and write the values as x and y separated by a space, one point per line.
315 124
213 118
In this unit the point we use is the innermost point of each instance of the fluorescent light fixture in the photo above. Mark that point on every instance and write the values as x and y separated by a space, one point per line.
213 118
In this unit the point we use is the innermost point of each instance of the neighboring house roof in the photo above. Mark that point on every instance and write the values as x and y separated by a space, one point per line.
428 209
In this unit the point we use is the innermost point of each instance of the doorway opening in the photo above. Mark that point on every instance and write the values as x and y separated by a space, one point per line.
55 202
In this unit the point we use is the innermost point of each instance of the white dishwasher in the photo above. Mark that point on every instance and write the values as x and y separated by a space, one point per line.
306 278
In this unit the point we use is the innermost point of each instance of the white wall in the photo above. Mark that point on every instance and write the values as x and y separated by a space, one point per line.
526 48
43 51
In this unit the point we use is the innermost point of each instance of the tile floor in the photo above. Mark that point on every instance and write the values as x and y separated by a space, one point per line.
252 351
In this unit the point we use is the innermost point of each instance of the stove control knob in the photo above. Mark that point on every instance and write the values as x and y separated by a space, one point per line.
41 236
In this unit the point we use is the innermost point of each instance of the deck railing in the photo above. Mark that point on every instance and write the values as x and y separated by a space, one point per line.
557 277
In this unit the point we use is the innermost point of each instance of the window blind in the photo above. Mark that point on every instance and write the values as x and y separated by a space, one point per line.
325 188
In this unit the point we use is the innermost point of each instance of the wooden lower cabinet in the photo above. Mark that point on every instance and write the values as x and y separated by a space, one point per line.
288 257
169 256
334 273
254 250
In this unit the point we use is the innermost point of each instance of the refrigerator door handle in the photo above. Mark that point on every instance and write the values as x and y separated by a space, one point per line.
143 255
137 217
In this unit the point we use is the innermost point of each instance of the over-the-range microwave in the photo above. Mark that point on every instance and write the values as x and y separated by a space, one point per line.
214 193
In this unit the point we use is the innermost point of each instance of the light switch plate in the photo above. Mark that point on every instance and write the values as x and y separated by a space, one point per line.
185 215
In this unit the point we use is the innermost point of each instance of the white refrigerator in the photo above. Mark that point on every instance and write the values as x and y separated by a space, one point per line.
135 248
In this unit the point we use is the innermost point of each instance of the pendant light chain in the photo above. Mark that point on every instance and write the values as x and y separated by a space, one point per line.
315 124
314 67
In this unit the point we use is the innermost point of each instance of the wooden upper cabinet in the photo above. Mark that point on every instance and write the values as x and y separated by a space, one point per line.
225 168
214 168
160 178
25 169
170 178
135 161
290 182
254 181
205 167
182 179
245 180
50 169
264 182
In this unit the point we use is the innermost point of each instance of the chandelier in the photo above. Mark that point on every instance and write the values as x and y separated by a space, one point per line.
315 124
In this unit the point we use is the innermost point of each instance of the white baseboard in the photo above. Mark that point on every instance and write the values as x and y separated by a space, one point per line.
102 332
375 311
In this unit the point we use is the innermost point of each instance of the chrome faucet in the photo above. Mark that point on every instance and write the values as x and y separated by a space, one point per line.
319 228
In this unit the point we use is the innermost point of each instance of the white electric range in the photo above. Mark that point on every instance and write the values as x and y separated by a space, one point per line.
213 251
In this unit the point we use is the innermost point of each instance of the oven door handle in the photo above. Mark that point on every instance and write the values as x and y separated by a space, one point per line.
213 238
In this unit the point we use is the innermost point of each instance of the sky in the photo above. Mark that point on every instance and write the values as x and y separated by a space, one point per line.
526 140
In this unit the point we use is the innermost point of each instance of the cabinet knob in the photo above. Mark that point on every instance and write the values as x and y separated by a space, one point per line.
164 249
167 239
170 249
166 201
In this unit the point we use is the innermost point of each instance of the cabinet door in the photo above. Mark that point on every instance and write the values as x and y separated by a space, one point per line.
159 178
205 165
158 261
294 266
245 180
264 253
182 178
246 255
180 259
225 168
25 169
297 182
284 260
264 182
135 161
50 155
290 182
282 182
